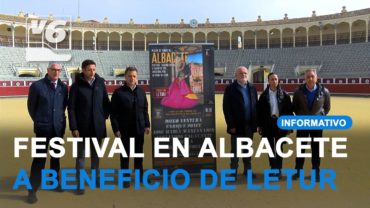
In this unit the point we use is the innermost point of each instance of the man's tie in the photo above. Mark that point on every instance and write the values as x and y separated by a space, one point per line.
54 85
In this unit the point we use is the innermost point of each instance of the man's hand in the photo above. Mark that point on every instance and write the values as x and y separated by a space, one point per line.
259 130
117 134
147 130
75 133
233 130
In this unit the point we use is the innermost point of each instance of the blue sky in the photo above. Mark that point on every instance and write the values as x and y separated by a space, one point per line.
171 11
195 58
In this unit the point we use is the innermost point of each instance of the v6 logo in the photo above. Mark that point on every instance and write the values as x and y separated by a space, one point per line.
54 32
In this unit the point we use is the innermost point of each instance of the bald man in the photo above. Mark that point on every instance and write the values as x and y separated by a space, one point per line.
47 102
239 106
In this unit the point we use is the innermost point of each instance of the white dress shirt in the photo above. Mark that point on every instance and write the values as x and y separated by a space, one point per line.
274 103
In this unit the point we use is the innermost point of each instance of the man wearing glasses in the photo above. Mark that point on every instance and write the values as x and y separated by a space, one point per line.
47 101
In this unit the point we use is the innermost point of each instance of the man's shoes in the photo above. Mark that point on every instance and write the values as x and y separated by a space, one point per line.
254 176
59 189
245 173
317 175
279 175
126 184
80 191
296 175
149 181
31 198
97 183
235 175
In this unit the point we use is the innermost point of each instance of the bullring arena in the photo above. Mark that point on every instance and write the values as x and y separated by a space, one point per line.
337 45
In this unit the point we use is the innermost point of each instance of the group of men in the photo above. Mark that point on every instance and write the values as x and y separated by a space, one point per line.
245 115
88 108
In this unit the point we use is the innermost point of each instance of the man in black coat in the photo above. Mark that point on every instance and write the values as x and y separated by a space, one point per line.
130 118
311 98
47 101
240 109
88 108
273 102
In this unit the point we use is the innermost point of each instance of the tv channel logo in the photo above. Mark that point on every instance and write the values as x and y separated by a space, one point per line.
43 37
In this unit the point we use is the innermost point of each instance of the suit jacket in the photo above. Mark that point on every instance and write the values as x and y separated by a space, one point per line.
264 111
88 107
321 104
234 111
129 110
46 106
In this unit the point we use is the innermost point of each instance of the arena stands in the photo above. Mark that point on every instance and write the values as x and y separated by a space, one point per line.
336 45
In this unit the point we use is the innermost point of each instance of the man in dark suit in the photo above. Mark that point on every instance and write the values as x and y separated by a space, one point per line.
311 98
47 101
130 118
273 102
88 108
240 109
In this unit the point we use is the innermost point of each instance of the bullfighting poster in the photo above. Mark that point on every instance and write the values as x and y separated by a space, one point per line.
183 102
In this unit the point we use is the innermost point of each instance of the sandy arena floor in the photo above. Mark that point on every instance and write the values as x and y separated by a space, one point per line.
353 173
